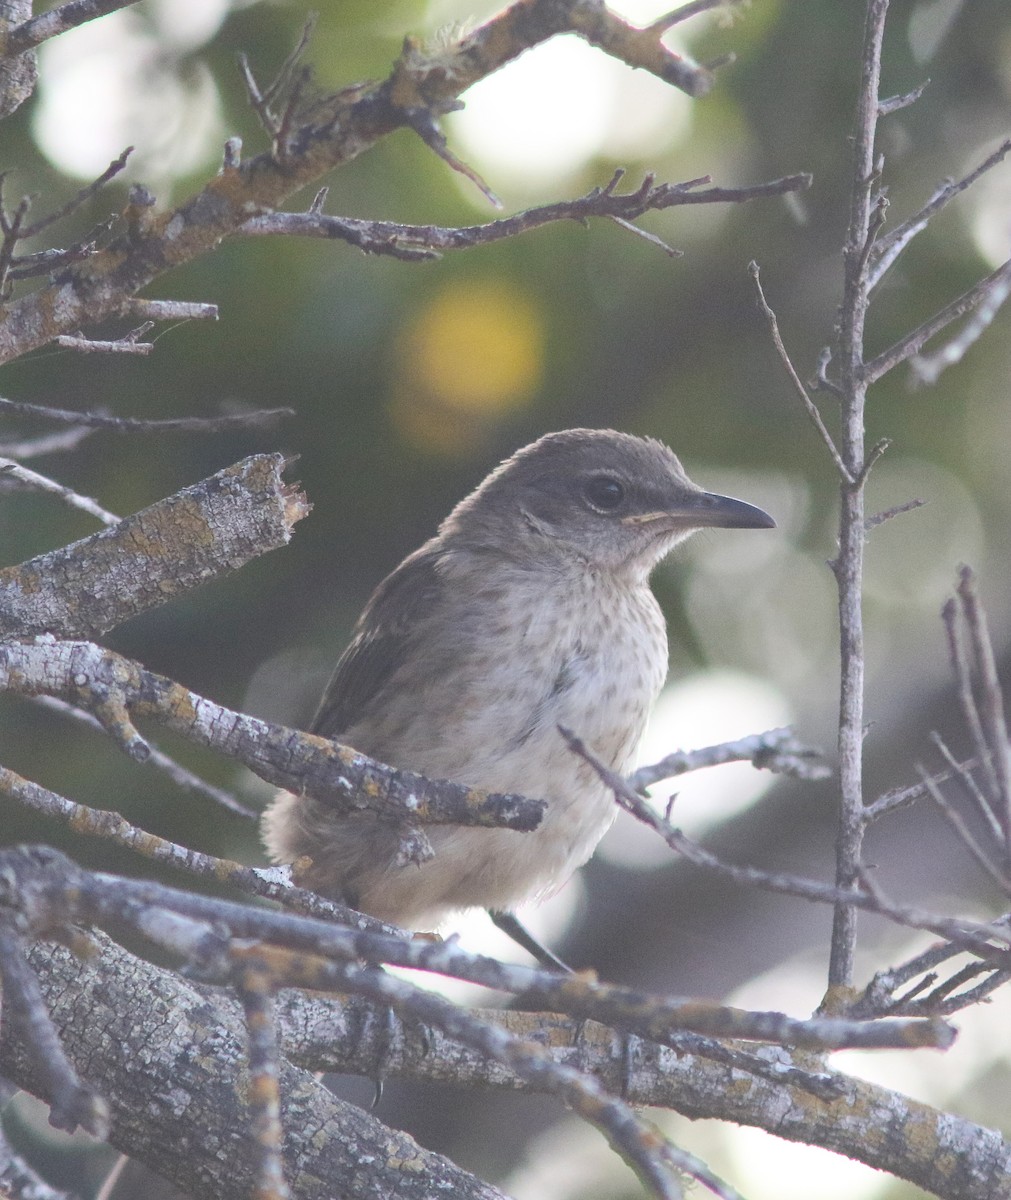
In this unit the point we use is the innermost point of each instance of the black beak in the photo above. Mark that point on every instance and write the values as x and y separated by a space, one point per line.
723 512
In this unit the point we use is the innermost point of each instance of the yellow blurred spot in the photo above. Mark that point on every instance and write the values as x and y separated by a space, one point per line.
474 354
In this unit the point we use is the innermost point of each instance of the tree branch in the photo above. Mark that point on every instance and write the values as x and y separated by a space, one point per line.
201 533
332 132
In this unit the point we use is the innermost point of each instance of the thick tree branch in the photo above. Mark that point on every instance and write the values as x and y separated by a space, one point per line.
149 1037
34 32
117 690
147 559
181 1026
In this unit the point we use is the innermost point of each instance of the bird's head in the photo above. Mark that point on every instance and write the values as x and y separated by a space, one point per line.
613 501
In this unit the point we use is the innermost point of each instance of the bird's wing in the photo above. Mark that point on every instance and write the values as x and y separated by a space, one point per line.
384 640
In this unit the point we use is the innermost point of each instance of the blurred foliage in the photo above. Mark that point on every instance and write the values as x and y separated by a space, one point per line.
411 380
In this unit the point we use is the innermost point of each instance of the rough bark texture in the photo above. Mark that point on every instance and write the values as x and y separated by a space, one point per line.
17 75
200 533
172 1065
884 1129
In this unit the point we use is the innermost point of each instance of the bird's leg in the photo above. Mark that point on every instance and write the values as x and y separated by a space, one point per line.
510 924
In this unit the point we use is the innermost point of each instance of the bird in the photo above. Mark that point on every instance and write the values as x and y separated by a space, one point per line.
528 610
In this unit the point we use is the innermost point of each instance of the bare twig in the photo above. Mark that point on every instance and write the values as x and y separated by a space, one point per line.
895 511
809 405
991 708
878 998
424 124
84 345
253 983
73 895
694 9
85 194
963 772
864 217
912 342
640 1145
27 478
962 670
927 368
421 242
901 797
46 443
981 939
777 750
171 310
58 20
181 776
885 246
335 129
93 420
964 834
895 103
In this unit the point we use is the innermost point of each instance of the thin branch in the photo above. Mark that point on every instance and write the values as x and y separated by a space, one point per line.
646 236
46 443
181 776
895 103
963 772
695 8
963 832
642 1147
962 670
34 32
252 981
866 213
85 194
287 72
992 705
809 405
73 895
889 513
27 478
335 129
777 750
902 797
914 341
928 368
421 242
885 246
878 997
424 124
171 310
95 420
84 345
981 939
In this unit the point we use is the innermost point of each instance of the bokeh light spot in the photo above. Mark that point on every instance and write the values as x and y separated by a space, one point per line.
474 354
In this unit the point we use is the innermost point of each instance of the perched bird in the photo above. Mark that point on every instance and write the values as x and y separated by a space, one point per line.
530 609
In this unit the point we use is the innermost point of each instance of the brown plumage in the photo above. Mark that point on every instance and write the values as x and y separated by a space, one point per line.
530 608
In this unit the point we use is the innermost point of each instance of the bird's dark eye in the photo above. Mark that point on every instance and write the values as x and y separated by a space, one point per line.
604 492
